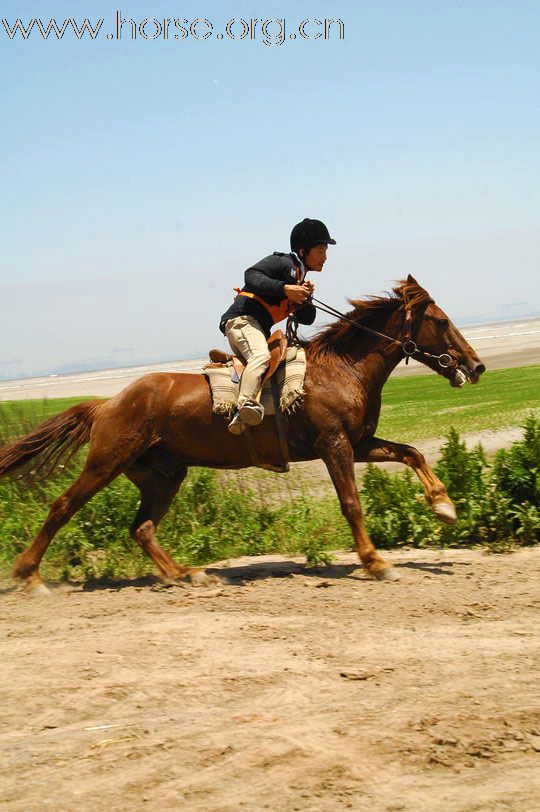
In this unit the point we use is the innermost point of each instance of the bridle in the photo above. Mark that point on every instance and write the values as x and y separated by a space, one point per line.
408 346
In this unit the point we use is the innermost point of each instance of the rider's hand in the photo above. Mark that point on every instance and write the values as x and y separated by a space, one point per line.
297 293
310 286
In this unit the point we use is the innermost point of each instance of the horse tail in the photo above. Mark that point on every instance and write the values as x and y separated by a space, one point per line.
51 444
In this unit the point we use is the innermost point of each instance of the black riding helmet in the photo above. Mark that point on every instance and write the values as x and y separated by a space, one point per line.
309 233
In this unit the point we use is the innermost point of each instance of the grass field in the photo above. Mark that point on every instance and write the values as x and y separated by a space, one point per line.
423 406
428 406
27 411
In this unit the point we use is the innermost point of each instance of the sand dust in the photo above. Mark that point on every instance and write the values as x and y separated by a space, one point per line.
284 689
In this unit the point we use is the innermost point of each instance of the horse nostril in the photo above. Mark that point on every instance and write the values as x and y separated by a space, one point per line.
479 368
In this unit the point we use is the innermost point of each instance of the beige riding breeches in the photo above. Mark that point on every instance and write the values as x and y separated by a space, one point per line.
247 339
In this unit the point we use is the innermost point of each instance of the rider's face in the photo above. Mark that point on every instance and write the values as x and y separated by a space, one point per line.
316 257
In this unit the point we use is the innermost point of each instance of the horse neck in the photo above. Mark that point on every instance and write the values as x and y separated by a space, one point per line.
379 353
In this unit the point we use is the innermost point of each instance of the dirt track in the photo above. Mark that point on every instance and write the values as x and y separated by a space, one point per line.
284 689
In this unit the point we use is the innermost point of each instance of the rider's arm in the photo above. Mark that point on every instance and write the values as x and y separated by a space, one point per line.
268 277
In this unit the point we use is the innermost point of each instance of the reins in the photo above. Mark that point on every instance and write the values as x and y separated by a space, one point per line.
408 346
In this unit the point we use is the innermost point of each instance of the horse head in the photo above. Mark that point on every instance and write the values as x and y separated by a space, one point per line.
439 343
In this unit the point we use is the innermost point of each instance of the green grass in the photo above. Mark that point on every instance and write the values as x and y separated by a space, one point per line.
19 416
425 406
42 407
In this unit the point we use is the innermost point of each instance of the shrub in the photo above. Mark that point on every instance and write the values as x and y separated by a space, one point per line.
396 510
517 471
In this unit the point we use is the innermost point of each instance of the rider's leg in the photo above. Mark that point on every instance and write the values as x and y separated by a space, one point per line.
247 338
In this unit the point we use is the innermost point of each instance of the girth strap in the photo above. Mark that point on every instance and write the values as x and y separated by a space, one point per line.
283 467
280 426
253 455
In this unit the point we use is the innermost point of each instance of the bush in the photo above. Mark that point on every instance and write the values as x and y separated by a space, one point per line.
462 471
497 506
517 471
396 510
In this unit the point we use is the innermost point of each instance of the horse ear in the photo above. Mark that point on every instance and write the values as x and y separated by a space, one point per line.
411 280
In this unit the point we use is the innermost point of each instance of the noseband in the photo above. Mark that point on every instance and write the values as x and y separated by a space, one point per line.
408 346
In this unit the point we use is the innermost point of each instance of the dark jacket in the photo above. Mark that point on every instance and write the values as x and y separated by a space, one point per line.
267 279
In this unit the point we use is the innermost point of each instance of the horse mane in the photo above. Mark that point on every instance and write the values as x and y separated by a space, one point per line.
340 337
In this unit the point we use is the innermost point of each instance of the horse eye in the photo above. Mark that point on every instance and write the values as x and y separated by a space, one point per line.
442 322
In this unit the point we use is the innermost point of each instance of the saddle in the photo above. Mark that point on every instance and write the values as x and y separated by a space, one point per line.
277 346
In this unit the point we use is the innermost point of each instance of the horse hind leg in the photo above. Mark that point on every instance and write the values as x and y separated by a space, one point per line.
26 567
105 461
157 492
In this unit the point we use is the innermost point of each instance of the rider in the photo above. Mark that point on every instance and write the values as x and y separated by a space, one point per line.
274 288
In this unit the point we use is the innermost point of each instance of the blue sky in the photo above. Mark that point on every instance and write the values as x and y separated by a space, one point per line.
140 179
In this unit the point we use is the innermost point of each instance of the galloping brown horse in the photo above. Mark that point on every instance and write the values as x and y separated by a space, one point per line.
158 426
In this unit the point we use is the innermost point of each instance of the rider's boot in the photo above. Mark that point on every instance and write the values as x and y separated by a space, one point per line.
236 426
251 413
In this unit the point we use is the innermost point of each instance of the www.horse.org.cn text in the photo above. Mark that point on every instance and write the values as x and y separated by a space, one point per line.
267 32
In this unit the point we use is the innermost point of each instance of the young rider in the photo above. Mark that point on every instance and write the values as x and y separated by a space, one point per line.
274 288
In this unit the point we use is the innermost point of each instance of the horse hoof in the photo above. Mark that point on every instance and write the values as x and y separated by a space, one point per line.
200 578
386 575
446 512
37 591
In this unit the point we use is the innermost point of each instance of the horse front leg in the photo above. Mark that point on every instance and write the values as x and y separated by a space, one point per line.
378 450
338 456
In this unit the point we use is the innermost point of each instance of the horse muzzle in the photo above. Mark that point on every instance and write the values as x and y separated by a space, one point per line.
463 373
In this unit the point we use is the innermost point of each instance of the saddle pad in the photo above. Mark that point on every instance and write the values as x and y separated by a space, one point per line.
289 376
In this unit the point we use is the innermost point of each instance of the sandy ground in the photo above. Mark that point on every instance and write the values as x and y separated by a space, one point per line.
283 689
